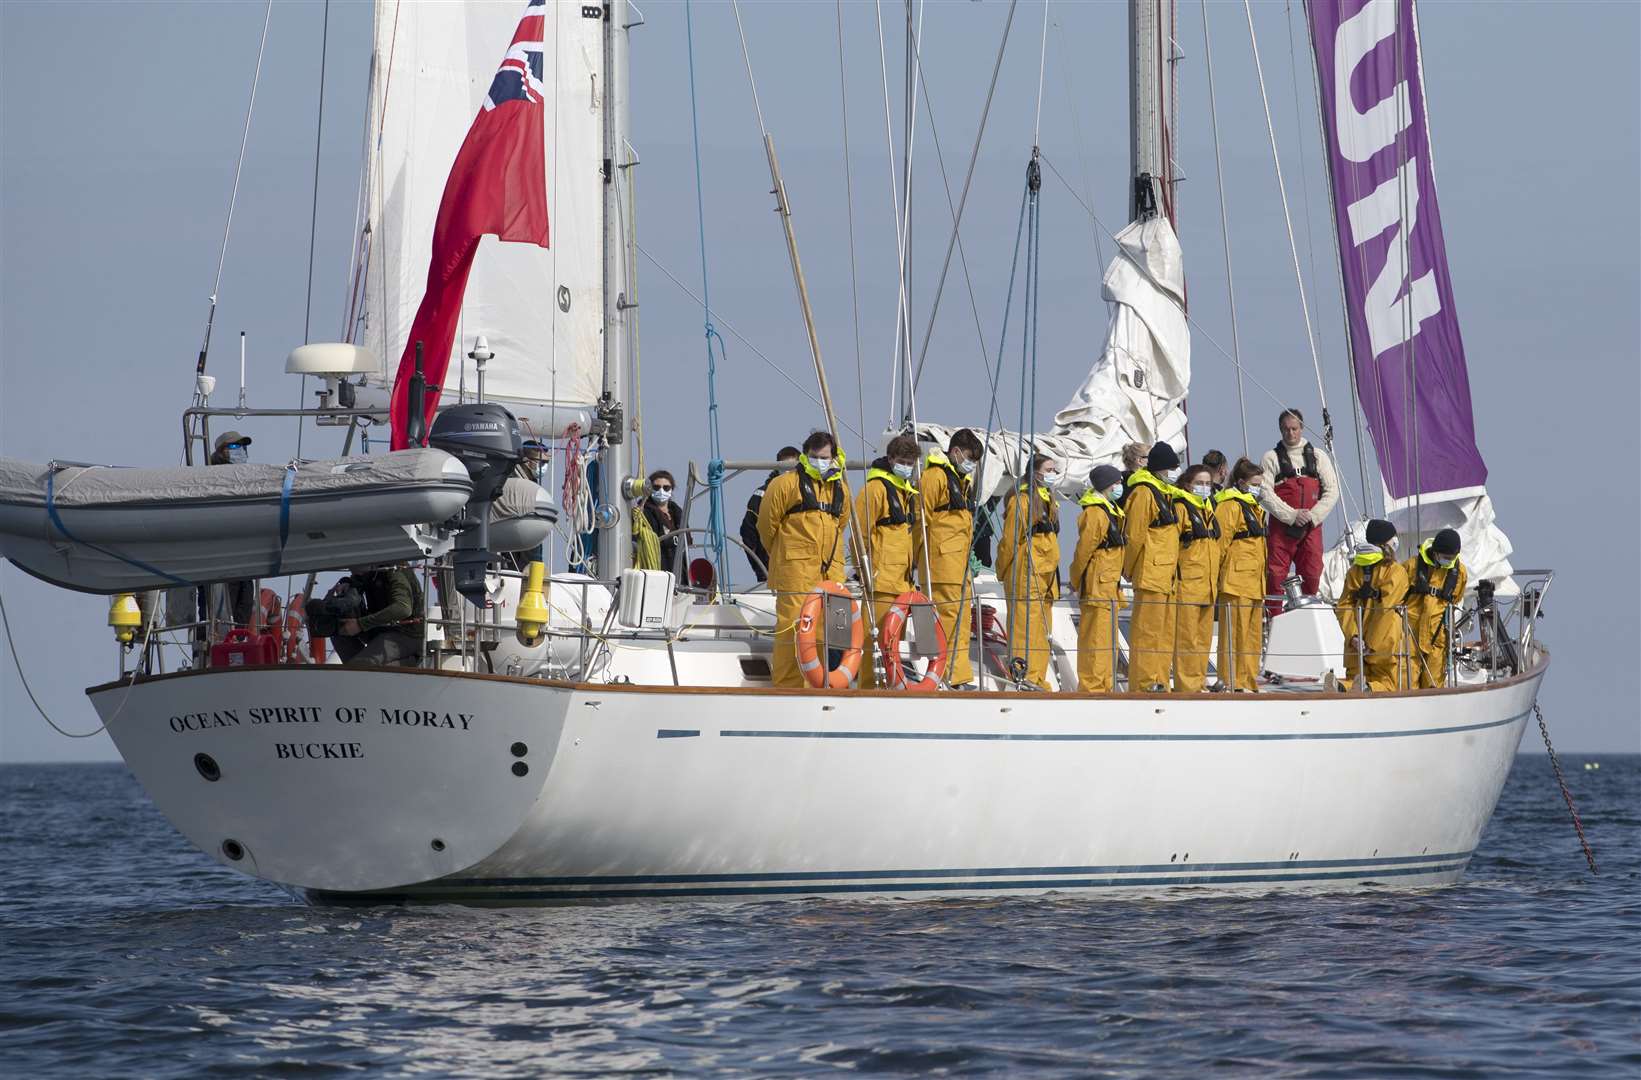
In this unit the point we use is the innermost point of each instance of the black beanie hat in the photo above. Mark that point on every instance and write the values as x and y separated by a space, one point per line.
1380 532
1103 477
1162 456
1446 542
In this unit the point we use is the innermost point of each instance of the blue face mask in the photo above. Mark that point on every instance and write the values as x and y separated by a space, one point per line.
662 497
967 467
1115 493
903 471
238 455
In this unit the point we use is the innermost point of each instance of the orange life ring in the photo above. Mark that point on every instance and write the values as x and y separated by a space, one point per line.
894 624
809 640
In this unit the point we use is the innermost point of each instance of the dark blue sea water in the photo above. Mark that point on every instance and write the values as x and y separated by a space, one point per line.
123 952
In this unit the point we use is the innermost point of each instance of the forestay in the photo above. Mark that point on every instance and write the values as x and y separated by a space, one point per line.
540 308
1138 384
1411 375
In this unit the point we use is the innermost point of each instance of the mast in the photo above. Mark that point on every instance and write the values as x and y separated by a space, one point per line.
615 542
1149 108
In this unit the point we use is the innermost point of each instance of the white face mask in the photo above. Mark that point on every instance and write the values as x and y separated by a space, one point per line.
1049 479
903 471
967 467
821 465
1254 490
238 455
1202 491
662 497
1393 545
1170 475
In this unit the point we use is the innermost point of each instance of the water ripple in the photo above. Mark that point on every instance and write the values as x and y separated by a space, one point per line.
128 953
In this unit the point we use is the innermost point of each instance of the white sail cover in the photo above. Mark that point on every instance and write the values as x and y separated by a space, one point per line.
541 309
1138 383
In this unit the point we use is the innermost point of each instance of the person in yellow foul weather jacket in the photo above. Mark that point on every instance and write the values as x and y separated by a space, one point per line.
1150 560
801 522
1198 588
1375 588
1096 574
948 514
887 512
1028 563
1241 578
1436 583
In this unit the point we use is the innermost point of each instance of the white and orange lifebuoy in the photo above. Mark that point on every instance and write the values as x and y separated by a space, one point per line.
267 619
810 643
894 624
296 624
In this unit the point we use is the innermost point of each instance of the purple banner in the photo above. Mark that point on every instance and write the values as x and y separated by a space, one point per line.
1404 329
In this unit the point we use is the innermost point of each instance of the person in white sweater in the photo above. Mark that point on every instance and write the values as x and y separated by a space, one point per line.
1300 489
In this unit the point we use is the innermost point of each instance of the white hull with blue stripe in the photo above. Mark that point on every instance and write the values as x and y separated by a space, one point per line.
451 787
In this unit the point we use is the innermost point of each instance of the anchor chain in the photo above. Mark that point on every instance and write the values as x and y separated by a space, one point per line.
1555 764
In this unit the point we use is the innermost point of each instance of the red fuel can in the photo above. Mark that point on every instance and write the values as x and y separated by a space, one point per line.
241 647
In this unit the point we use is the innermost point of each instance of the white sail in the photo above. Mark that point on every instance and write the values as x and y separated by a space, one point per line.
541 309
1138 384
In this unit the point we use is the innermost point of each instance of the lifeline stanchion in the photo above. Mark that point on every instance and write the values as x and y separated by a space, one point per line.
1555 765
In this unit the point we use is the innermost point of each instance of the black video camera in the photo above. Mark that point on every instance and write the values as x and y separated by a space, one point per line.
325 616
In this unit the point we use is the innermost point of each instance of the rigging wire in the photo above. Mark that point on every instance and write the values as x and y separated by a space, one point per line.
1299 142
720 321
1344 314
963 200
849 202
902 327
1293 247
233 194
313 221
715 464
951 208
1224 227
1042 67
1082 144
1200 330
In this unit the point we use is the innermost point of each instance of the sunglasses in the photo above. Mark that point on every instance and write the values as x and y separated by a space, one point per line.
663 487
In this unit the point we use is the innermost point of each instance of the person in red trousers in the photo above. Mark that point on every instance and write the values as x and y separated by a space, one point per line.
1301 487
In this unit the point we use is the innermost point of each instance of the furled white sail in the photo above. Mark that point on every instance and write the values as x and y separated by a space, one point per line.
1137 386
541 309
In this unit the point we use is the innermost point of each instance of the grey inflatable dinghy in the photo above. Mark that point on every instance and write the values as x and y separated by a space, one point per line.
102 529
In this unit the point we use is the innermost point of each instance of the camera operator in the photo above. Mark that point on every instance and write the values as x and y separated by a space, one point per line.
388 632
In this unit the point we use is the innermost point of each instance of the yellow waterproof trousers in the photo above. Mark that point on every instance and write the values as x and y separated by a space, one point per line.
1430 663
1193 637
1385 671
783 665
1095 621
1150 640
954 601
1030 612
1241 628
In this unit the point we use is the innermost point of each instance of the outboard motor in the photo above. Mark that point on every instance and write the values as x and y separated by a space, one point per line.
485 437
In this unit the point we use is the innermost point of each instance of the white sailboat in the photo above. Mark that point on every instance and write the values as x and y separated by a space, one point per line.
624 756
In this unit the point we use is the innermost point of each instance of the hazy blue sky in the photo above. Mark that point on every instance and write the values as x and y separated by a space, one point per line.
114 183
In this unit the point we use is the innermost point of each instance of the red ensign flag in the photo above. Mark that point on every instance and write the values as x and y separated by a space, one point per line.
497 185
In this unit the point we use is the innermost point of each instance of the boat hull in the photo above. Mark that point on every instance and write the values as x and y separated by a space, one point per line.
636 792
